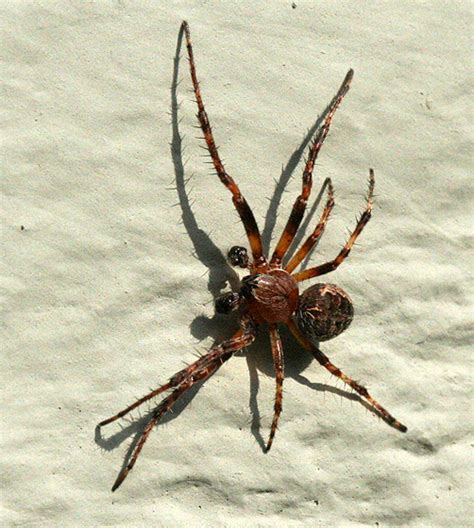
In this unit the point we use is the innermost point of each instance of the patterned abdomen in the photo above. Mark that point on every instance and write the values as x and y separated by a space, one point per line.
324 312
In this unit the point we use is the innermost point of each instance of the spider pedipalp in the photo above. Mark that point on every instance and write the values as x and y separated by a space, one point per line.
238 256
227 303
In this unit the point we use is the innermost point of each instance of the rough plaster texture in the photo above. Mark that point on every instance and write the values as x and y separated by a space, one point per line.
108 287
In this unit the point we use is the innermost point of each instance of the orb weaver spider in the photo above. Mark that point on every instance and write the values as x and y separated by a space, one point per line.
269 294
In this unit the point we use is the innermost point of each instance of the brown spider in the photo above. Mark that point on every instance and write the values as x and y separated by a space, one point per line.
269 293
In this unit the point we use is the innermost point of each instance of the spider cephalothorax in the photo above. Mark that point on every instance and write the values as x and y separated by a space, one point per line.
270 297
269 294
322 311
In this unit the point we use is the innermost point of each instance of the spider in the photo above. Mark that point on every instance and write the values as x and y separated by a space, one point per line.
269 294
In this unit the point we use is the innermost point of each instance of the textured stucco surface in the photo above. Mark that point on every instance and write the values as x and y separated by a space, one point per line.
108 288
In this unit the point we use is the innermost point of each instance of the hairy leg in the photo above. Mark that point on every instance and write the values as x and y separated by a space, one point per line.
313 239
326 363
277 353
236 342
344 253
164 407
245 213
299 206
207 369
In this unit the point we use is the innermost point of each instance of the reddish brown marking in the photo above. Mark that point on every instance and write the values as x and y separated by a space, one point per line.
324 312
275 298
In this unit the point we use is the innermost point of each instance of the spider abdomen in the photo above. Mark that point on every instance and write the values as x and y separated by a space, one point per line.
324 312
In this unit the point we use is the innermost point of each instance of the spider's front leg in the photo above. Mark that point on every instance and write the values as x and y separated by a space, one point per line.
299 206
240 203
177 378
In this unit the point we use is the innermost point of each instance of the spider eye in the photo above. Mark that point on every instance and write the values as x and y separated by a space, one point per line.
227 303
238 256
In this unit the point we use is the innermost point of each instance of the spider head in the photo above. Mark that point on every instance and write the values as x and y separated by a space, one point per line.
238 256
324 312
226 303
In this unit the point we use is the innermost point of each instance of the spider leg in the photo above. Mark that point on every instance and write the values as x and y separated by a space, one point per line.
163 408
343 254
326 363
300 204
277 353
245 213
174 381
240 340
313 239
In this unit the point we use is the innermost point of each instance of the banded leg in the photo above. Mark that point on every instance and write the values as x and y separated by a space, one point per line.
245 213
204 372
277 353
362 391
299 206
313 239
182 375
238 341
344 253
163 408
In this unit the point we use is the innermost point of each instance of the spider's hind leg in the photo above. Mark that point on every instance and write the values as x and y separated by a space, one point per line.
313 239
362 391
344 253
